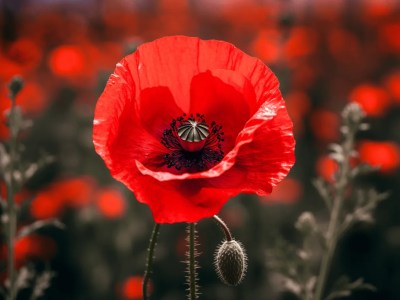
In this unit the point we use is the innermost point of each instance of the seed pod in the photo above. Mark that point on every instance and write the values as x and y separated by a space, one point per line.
231 262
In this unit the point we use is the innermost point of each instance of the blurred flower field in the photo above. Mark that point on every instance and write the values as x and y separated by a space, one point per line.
325 55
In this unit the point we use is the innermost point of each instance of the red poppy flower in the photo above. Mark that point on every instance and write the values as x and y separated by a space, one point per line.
186 124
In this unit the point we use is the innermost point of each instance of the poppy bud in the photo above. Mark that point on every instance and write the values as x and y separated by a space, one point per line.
16 84
306 223
231 262
353 114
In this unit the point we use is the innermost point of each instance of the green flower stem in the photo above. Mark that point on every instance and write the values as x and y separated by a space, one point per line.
224 228
150 259
192 279
333 232
12 214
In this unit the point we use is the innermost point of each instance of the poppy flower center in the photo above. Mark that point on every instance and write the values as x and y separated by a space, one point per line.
193 144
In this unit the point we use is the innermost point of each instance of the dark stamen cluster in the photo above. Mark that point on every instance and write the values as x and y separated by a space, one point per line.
210 154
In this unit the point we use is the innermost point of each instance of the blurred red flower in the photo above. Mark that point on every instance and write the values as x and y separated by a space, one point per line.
268 45
392 83
298 105
343 45
326 168
186 124
47 204
289 191
20 57
26 53
325 125
34 246
302 41
31 247
51 202
8 68
110 203
31 100
132 288
19 197
373 9
385 155
389 38
374 100
67 60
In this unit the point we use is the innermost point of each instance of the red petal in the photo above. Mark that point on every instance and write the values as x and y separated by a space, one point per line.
158 109
225 97
109 108
179 201
173 61
118 135
265 161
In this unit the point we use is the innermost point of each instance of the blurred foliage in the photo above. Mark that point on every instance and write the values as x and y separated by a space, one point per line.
347 205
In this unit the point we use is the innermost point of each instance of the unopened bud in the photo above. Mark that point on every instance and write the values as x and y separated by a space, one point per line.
15 86
306 222
353 114
231 262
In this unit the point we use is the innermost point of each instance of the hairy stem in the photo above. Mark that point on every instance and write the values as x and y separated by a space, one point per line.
150 259
192 265
224 228
336 213
12 215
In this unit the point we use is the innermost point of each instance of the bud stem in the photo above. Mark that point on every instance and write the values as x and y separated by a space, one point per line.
150 259
12 214
333 233
224 228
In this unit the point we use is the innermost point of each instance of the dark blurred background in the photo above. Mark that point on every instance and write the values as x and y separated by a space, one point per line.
325 54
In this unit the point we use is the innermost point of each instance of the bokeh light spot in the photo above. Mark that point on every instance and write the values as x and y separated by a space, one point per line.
132 288
288 191
67 61
385 155
110 203
374 100
326 168
325 125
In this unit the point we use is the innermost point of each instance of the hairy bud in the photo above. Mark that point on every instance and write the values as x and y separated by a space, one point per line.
231 262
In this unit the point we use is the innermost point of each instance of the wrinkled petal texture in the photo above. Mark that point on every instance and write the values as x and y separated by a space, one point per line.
175 75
